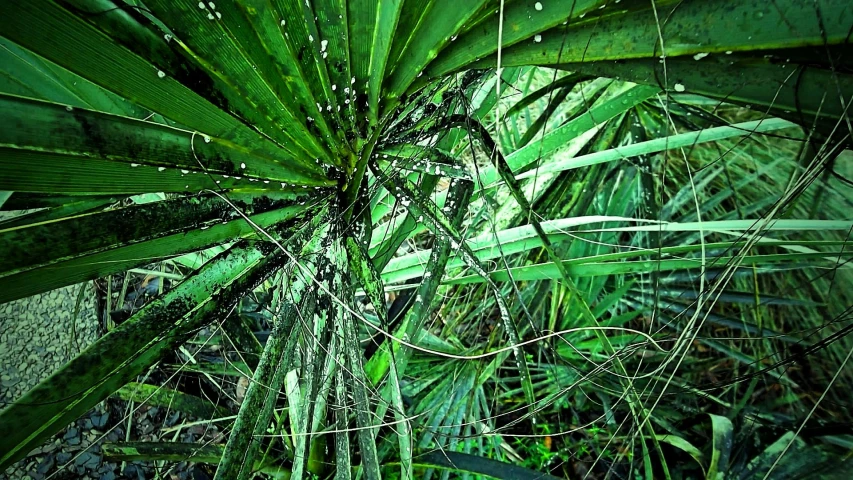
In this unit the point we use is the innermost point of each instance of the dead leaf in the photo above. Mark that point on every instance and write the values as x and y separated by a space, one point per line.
242 386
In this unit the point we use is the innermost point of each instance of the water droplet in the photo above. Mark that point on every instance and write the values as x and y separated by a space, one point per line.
160 169
218 15
167 37
679 87
201 5
161 74
69 108
538 6
210 16
212 5
537 38
700 56
185 172
134 164
323 45
283 22
206 139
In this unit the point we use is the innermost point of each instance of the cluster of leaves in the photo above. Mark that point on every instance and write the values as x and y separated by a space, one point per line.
596 219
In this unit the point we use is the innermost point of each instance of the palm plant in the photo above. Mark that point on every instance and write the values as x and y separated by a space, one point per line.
327 151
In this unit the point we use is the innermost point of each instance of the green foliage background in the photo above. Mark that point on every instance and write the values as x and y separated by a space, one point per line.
612 235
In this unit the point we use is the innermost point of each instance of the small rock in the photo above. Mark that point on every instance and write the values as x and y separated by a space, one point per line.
88 460
172 419
199 474
72 436
46 464
133 471
100 420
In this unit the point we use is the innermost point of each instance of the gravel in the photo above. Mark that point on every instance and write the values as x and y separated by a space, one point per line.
38 335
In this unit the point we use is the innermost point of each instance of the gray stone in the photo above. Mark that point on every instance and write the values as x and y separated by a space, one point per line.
46 464
100 420
88 460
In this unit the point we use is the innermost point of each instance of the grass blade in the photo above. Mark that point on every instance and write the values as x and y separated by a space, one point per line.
165 397
426 210
238 460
